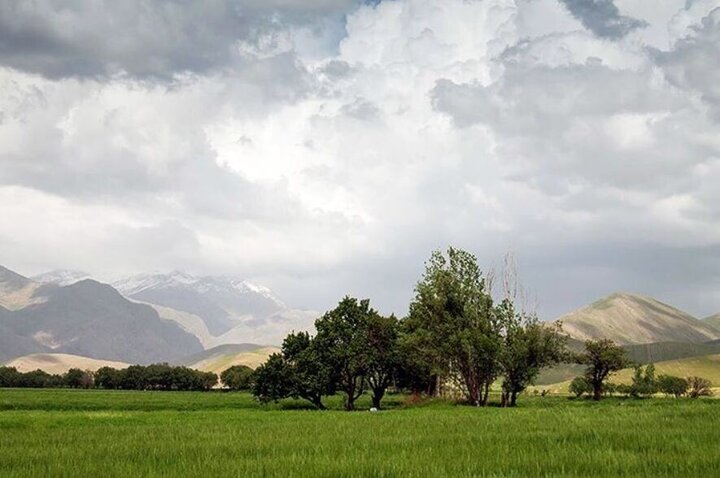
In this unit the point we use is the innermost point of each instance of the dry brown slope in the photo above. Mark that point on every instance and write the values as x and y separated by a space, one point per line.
60 363
635 319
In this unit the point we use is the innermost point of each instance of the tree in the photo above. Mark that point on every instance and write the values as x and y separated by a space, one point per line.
342 343
675 386
273 380
76 378
313 376
453 324
108 378
9 377
383 354
528 347
580 386
602 357
237 377
643 382
699 387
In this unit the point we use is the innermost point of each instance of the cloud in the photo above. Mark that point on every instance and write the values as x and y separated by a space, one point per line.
336 144
694 61
148 39
603 18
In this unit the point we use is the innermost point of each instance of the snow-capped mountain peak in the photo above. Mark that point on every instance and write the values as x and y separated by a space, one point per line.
61 277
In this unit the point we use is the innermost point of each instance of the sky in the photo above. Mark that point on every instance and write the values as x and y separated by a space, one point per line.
326 147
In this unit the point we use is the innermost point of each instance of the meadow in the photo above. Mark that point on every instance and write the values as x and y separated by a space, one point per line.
126 433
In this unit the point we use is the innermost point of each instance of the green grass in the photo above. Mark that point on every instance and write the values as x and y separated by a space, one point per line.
96 433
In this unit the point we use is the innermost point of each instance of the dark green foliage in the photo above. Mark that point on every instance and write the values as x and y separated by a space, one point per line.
342 343
601 358
580 386
273 380
670 385
154 377
313 375
237 377
699 387
10 377
77 378
383 355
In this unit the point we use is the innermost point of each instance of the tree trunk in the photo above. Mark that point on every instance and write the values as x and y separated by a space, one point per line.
597 392
513 398
377 397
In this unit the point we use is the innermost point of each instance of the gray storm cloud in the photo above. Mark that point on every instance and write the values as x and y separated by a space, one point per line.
325 148
602 17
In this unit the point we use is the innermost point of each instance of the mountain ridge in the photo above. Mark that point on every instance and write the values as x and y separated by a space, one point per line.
629 319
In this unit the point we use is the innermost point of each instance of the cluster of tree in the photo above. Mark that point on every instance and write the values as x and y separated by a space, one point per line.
135 377
74 378
455 337
154 377
603 357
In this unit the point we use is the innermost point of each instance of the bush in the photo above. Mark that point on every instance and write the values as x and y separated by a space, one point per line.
699 387
675 386
580 386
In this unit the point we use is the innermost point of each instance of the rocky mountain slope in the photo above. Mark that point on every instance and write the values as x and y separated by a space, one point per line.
85 318
634 319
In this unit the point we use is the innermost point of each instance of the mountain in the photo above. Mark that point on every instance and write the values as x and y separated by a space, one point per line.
634 319
86 318
713 321
61 277
221 302
217 310
16 291
225 356
60 363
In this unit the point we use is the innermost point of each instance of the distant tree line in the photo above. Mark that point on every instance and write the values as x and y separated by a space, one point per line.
135 377
603 357
455 339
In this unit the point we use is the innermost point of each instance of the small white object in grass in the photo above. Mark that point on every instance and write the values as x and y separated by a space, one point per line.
373 409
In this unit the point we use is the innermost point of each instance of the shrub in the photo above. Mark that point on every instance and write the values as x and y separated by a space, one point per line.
580 386
699 387
670 385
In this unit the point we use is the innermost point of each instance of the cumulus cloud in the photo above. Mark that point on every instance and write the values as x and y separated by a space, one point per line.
324 148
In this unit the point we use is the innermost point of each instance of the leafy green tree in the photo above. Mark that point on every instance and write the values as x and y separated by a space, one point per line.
108 378
580 386
453 323
342 341
670 385
237 377
133 378
273 380
77 378
643 382
313 375
383 354
699 387
602 357
528 347
9 377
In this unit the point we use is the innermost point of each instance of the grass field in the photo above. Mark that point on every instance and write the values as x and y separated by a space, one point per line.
97 433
